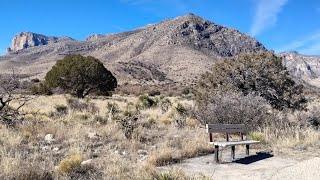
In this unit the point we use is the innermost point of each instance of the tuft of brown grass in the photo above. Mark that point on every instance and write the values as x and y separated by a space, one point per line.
70 163
163 156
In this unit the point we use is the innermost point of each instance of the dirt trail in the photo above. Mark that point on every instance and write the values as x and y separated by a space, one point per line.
256 167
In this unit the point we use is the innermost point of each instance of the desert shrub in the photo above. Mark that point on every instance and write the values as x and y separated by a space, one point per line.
130 106
35 80
181 122
61 110
84 173
70 163
235 108
171 175
146 102
183 113
113 111
113 108
80 76
165 104
314 117
128 124
162 157
41 89
154 93
262 74
181 110
186 91
76 104
149 123
100 119
10 92
257 136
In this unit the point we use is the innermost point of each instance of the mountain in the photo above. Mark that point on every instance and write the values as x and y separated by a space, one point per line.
303 68
175 50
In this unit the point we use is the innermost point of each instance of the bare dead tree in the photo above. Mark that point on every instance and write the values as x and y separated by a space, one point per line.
9 93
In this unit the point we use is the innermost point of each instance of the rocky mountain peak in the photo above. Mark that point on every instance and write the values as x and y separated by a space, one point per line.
212 38
94 37
24 40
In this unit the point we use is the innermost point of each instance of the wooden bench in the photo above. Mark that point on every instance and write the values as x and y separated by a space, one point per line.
229 129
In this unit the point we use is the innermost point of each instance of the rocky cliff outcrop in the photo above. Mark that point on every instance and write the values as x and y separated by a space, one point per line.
25 40
302 67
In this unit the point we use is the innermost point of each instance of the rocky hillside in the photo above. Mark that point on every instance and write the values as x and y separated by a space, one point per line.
303 68
175 50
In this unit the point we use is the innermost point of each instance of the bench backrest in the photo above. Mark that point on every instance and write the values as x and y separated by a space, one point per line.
227 129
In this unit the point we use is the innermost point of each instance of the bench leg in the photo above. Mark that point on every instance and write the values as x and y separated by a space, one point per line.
216 153
233 149
247 149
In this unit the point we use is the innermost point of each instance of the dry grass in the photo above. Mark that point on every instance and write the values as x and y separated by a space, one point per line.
70 163
291 137
157 140
81 131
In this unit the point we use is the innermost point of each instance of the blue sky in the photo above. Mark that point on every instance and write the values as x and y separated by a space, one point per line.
280 25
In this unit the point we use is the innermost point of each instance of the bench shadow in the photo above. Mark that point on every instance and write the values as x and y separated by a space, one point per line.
254 158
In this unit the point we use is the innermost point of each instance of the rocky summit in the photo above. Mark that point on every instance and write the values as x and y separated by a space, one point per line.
175 50
26 40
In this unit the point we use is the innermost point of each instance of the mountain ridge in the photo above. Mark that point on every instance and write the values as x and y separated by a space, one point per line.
174 50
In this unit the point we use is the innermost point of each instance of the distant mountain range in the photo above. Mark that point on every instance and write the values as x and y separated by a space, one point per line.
178 50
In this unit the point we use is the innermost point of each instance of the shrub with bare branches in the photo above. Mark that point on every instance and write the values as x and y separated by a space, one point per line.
235 108
10 84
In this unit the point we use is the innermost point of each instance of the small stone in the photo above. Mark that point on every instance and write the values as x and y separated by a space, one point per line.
45 148
56 149
143 158
49 138
86 162
93 135
142 152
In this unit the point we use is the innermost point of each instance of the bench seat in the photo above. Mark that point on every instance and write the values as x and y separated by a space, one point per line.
234 143
228 129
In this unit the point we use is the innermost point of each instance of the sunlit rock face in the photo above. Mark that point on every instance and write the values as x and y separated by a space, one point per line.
26 40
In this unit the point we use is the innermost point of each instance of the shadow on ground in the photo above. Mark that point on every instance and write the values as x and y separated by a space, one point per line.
251 159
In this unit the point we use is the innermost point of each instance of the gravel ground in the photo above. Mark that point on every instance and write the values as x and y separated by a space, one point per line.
274 167
306 170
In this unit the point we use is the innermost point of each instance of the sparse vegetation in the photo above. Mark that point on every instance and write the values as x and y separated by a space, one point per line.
41 89
128 145
61 110
146 102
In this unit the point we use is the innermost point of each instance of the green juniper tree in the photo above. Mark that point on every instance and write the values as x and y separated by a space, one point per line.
79 76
